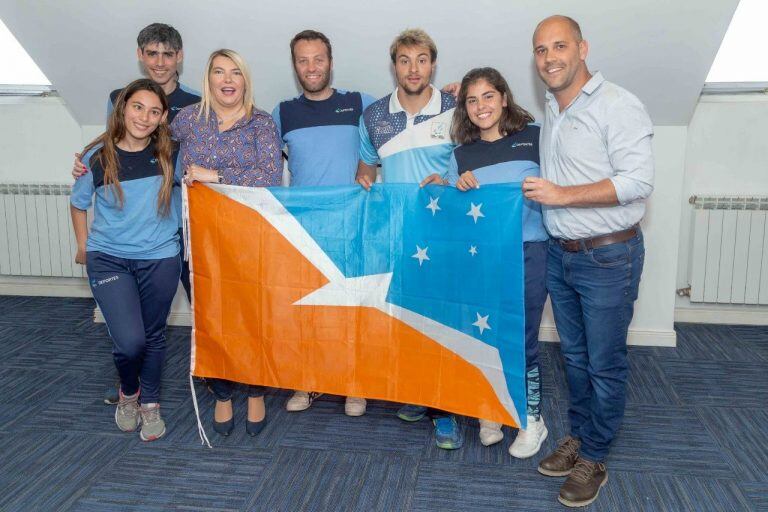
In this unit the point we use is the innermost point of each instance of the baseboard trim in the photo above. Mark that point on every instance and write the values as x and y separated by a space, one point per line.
713 314
45 286
636 337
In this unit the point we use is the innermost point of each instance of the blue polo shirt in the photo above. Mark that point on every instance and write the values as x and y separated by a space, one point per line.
322 137
137 230
410 148
508 160
177 100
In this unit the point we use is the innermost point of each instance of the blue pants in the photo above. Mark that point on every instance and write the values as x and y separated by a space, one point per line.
184 277
135 297
535 257
593 294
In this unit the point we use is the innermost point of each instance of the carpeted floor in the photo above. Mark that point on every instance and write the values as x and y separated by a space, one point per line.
695 435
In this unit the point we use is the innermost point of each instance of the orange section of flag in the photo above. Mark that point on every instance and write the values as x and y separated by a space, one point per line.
246 277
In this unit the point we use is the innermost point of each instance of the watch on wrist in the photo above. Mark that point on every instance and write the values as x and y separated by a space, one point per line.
219 177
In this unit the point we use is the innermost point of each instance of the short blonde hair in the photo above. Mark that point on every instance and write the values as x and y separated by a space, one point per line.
413 37
205 102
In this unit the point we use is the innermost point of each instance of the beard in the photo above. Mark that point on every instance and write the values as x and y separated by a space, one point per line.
319 86
412 90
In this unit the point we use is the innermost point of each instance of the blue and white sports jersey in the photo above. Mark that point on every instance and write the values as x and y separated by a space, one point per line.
177 100
410 148
181 97
322 137
137 230
508 160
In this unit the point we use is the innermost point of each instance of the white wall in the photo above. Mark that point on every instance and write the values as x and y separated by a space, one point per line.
727 154
38 138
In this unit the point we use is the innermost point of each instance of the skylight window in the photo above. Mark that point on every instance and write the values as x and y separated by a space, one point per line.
19 73
741 58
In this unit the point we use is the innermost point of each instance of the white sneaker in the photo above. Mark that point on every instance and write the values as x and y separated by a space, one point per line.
300 401
528 442
490 432
354 406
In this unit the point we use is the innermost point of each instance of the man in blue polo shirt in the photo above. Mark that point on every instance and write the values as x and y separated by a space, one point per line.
319 128
409 133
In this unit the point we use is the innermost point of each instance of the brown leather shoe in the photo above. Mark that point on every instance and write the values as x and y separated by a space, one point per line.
561 461
583 484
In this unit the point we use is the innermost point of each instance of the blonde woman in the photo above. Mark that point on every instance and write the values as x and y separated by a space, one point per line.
226 139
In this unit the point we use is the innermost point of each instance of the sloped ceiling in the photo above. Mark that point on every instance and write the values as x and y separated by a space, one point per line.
659 49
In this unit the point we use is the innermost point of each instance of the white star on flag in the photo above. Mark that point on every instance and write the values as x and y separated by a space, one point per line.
474 211
482 323
473 250
433 205
421 254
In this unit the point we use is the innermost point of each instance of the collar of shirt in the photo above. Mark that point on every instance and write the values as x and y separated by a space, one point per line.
589 88
432 108
213 122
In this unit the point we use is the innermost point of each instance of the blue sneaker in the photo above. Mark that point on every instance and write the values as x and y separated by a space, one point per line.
448 435
411 413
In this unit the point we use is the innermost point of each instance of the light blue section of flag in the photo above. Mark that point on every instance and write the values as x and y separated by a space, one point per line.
383 230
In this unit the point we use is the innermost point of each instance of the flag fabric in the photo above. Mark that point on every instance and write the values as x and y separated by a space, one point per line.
406 294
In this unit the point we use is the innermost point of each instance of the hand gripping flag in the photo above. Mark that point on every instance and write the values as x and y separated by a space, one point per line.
401 293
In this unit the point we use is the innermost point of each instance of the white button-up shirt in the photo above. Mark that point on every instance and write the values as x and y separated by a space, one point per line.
605 133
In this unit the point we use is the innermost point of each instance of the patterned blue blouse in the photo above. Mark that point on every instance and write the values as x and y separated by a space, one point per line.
247 154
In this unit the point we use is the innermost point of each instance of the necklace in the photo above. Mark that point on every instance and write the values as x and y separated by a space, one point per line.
227 119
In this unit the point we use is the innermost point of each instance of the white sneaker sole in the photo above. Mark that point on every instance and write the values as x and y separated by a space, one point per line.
491 439
531 453
297 406
153 438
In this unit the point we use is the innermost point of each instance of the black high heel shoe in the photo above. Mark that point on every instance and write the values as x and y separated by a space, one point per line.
224 428
254 427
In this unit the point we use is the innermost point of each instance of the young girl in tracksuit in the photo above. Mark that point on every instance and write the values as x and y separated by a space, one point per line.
132 251
498 145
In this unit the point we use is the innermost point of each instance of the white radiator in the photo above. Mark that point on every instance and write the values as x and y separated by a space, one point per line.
36 231
729 253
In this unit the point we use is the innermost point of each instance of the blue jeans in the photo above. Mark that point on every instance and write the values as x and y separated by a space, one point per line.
593 294
135 297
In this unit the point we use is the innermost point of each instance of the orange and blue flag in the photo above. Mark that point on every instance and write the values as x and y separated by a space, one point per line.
402 293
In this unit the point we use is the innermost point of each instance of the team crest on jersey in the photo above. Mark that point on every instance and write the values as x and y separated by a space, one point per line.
383 128
153 161
438 130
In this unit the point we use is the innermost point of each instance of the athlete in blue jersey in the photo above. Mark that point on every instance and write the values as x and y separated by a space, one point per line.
319 128
160 52
132 251
409 133
499 145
